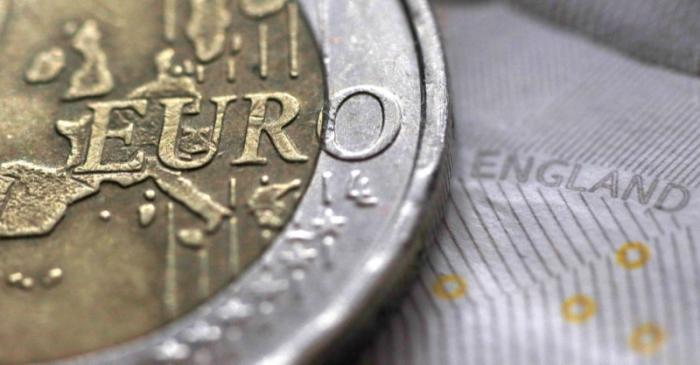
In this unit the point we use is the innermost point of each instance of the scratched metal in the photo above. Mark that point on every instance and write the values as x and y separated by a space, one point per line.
137 176
230 181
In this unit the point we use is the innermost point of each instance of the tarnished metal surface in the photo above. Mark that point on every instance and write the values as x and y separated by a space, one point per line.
209 181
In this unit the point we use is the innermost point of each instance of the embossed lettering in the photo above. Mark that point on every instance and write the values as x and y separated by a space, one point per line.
167 148
100 132
257 124
390 127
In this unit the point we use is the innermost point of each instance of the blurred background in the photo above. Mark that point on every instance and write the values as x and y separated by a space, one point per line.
569 234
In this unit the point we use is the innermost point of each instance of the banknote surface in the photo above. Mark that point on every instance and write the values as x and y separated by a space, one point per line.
570 234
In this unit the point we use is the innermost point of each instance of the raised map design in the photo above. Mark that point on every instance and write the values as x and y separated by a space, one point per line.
34 198
207 27
46 66
93 78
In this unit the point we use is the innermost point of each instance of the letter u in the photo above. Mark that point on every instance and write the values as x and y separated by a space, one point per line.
167 147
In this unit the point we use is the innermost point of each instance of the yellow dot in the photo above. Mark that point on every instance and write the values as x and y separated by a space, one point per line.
449 287
647 339
578 308
632 255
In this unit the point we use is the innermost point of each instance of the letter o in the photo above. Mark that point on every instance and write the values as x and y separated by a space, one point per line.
391 124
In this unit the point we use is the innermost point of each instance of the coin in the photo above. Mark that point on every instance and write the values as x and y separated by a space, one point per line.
570 234
195 181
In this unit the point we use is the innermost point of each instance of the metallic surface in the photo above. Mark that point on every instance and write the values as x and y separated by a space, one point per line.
140 174
352 232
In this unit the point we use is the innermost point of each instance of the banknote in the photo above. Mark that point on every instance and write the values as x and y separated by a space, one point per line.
570 232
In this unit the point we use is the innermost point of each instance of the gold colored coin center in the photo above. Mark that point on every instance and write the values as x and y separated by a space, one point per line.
150 150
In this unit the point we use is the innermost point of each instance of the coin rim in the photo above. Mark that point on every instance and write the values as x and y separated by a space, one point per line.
400 240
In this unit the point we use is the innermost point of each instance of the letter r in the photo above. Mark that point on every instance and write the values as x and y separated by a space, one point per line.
257 124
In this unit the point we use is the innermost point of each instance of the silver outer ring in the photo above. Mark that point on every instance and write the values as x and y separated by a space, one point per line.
291 306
